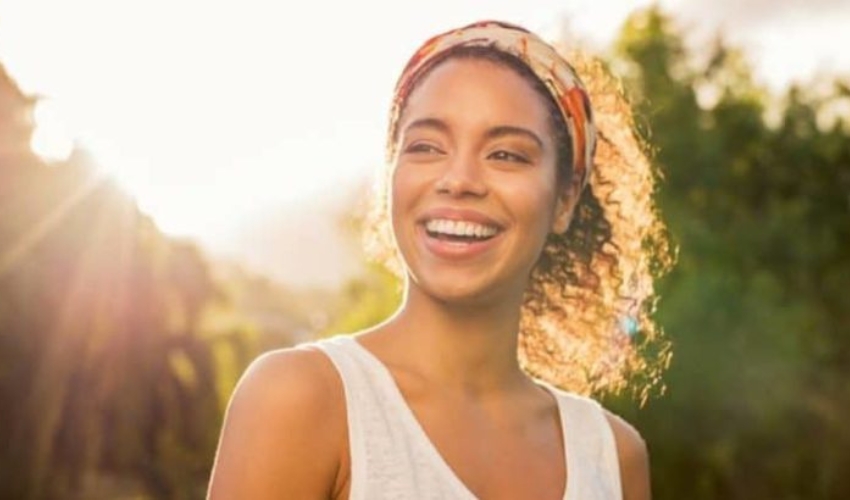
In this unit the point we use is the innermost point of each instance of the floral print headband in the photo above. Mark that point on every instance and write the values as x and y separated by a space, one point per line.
544 61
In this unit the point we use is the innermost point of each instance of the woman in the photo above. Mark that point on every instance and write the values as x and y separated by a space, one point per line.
505 249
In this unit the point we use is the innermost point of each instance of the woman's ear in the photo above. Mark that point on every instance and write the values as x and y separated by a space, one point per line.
566 205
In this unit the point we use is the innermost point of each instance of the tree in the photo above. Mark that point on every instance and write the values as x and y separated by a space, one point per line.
755 307
105 369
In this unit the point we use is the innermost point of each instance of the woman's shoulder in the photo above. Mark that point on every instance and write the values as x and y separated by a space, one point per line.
285 390
271 424
631 449
630 443
623 431
633 458
299 375
305 377
298 381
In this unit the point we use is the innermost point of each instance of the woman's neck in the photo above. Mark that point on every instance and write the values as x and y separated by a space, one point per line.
471 348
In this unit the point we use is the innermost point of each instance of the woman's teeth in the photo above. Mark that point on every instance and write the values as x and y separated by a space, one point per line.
462 229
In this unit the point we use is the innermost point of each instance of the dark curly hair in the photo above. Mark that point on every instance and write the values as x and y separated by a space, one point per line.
587 314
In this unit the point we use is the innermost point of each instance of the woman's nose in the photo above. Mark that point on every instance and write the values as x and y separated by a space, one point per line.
462 177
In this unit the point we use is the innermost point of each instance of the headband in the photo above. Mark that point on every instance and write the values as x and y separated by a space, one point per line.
544 61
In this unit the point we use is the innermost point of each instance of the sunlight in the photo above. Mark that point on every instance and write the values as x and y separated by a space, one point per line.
51 140
18 249
257 120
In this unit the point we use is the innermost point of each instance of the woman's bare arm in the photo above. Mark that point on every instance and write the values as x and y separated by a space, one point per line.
283 430
633 458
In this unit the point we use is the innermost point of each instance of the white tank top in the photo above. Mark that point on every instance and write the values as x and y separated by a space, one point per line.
393 458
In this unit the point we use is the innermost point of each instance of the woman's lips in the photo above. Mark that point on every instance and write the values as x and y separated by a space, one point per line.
455 249
447 247
458 214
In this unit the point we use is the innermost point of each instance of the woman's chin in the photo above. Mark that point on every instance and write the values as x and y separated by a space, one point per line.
463 291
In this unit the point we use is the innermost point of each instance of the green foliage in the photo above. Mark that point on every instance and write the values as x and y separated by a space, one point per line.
755 308
373 295
367 300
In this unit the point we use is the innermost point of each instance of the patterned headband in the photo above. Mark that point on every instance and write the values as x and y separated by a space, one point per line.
544 61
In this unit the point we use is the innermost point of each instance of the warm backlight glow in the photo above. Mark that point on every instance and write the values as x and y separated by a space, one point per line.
51 139
214 120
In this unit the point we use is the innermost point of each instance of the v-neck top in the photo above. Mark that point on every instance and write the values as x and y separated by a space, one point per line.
392 457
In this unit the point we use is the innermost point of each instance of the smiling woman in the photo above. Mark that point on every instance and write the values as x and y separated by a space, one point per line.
523 250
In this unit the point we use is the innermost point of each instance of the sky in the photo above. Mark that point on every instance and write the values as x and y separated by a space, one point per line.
211 113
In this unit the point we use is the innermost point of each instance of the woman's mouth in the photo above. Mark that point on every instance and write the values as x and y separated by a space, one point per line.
458 239
460 231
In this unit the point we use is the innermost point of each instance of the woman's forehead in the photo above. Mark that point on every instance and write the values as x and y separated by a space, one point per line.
472 90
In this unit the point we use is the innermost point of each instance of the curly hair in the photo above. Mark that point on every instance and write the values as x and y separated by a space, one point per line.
586 324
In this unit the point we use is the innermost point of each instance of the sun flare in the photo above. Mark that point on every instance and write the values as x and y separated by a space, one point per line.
51 139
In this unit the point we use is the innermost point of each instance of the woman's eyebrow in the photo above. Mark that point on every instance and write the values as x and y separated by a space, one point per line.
504 130
493 133
433 123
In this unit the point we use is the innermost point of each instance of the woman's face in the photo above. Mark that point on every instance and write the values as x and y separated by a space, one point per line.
474 188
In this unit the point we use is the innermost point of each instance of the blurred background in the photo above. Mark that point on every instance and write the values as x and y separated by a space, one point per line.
179 184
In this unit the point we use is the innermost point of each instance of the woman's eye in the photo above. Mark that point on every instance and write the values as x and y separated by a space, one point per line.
503 155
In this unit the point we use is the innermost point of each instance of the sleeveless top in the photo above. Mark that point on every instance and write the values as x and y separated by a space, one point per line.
393 458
